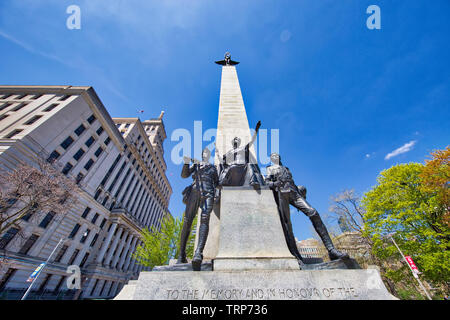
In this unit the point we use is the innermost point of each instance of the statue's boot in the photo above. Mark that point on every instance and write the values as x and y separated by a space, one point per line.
198 255
320 228
183 240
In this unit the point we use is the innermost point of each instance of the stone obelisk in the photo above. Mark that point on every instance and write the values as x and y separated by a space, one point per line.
232 122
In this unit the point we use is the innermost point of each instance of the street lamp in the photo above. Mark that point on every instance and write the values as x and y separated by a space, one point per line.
45 263
390 235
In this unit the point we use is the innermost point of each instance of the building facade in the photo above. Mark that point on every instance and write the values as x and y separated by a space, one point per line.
119 166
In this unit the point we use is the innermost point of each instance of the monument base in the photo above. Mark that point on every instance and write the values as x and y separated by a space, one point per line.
337 284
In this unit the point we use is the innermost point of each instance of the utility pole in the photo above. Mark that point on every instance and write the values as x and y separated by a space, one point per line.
414 274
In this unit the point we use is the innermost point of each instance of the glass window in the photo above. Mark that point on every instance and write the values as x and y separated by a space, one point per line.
33 120
98 152
66 143
80 130
86 212
28 244
91 119
61 253
89 164
89 141
44 223
79 154
94 219
99 130
67 168
7 237
13 133
51 107
74 256
53 156
74 231
85 235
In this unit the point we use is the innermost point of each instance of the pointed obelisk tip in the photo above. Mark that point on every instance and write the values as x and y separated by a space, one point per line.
161 115
227 60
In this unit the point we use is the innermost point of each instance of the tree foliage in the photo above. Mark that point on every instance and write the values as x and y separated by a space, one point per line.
159 246
400 204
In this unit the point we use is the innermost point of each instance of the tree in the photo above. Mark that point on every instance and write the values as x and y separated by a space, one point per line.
159 246
399 204
347 209
435 177
27 190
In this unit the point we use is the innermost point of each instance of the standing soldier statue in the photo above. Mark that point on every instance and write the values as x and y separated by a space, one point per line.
279 178
200 194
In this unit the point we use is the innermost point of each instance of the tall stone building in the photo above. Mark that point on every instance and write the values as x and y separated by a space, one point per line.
119 166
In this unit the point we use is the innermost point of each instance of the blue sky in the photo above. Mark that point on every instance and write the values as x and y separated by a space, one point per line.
343 96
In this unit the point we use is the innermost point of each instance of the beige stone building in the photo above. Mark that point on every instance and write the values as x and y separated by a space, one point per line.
119 166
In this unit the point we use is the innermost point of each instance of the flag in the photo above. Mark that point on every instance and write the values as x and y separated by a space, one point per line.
36 272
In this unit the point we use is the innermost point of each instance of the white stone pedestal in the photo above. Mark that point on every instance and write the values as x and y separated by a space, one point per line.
251 236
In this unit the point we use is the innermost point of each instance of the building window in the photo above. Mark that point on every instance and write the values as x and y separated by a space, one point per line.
7 237
6 105
13 133
85 235
20 106
93 288
97 194
61 253
89 164
91 119
6 277
28 244
37 96
44 283
107 140
67 168
74 231
74 256
3 117
27 216
99 130
53 156
58 286
80 177
64 98
33 120
111 169
89 141
80 130
99 151
44 223
86 212
94 219
66 143
51 107
110 288
103 223
94 240
79 154
83 261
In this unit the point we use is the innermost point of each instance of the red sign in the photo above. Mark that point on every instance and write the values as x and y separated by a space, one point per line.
411 263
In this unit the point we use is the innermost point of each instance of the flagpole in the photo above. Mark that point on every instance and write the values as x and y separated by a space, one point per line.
45 263
414 274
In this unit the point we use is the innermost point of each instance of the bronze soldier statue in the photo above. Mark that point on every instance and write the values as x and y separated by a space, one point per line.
238 167
200 194
279 178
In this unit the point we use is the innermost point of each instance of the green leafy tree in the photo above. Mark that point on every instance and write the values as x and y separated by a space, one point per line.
159 246
399 204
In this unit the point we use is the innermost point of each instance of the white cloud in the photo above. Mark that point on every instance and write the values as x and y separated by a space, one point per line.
403 149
